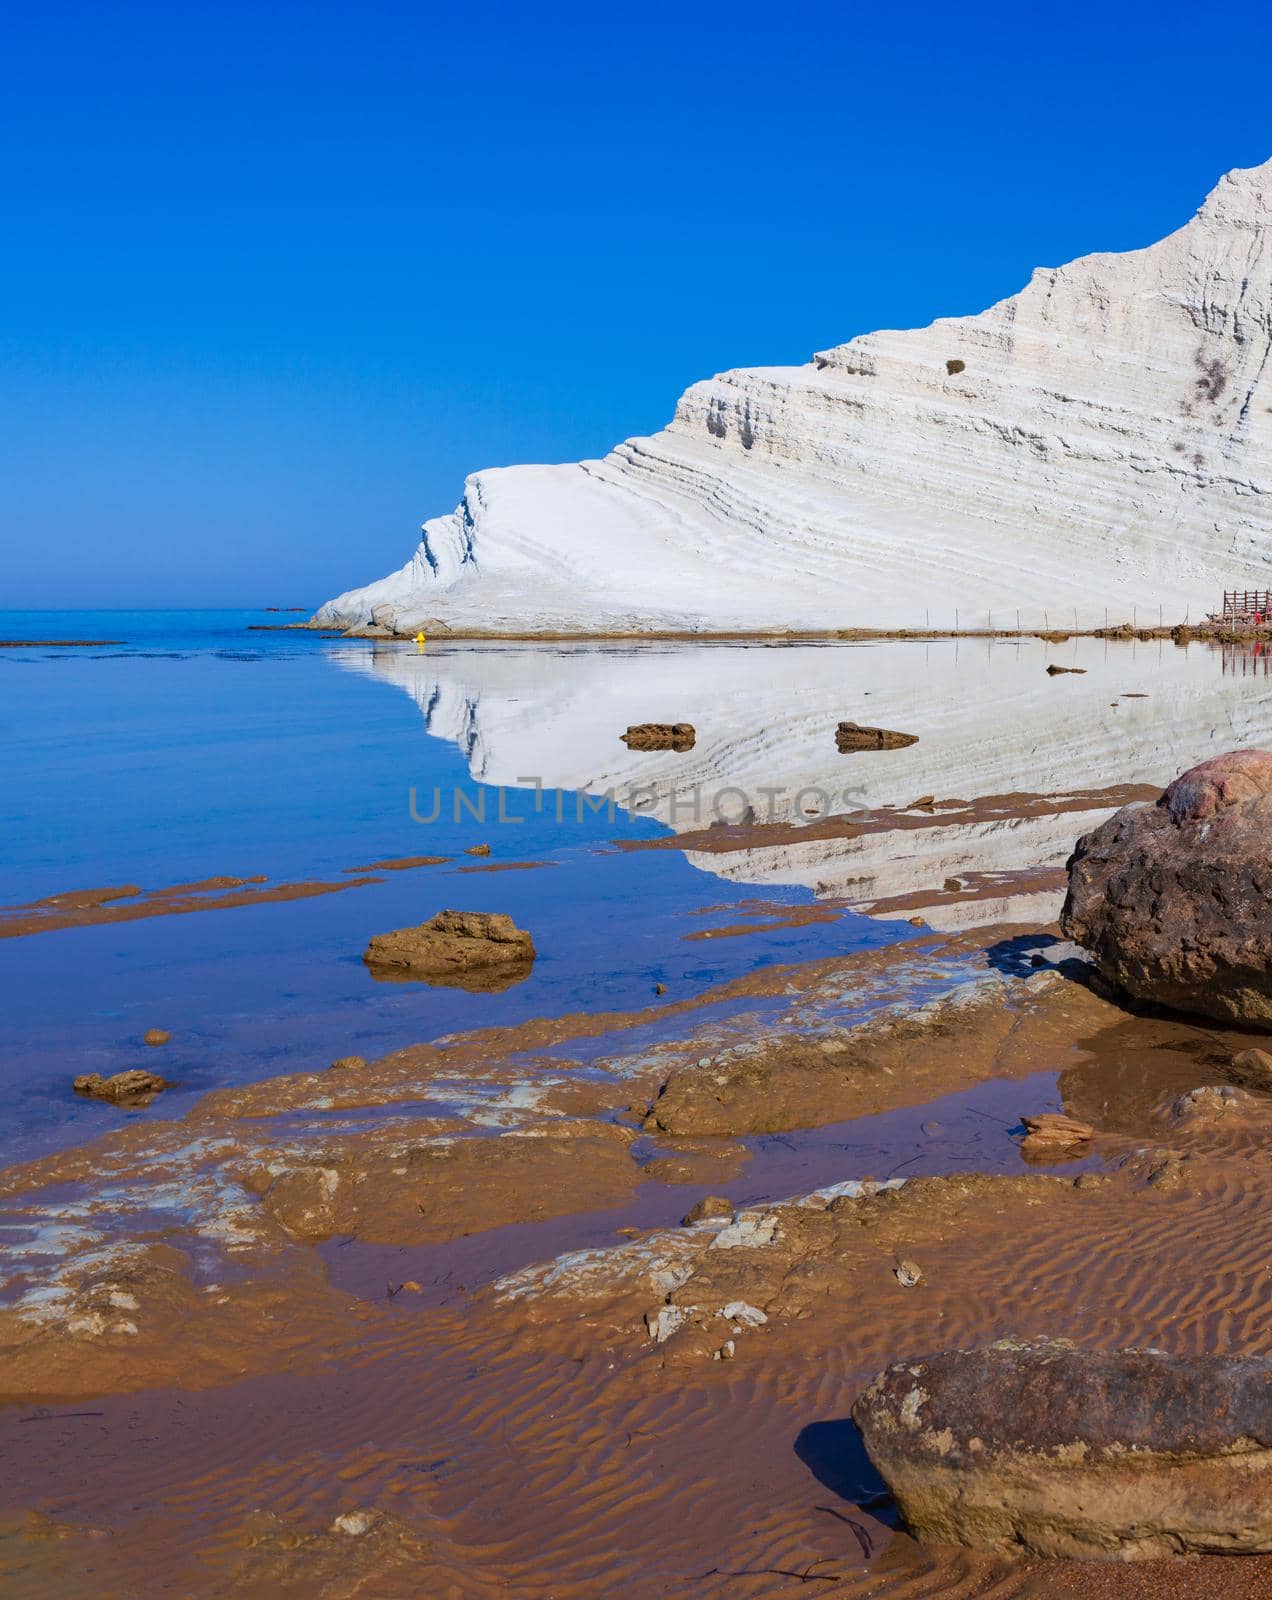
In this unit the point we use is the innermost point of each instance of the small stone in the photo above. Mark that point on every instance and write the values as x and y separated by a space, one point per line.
1252 1069
953 885
712 1205
134 1088
907 1273
726 1351
348 1064
748 1315
660 988
156 1036
477 850
917 922
353 1524
665 1321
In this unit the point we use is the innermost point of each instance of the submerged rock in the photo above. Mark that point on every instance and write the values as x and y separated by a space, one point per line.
677 736
156 1036
712 1205
850 736
1124 1454
133 1088
466 949
1211 1103
1174 901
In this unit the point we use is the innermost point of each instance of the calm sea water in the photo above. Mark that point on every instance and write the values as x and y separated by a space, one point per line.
199 746
196 747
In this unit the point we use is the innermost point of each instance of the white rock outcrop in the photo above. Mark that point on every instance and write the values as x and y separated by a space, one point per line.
1101 441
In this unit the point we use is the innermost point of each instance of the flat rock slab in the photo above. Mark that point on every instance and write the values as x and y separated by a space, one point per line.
660 736
1051 1136
850 736
465 949
1174 900
1122 1455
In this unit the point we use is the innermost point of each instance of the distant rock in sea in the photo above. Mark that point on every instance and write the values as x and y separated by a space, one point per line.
1099 442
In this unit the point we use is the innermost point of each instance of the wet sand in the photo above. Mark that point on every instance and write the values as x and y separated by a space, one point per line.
723 838
382 1329
82 908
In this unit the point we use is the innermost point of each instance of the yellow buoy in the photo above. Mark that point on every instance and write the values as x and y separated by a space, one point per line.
419 640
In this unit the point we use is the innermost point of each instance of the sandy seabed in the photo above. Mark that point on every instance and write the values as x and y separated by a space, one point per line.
384 1330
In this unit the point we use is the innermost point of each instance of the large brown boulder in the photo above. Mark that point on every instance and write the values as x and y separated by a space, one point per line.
464 949
1122 1455
1174 900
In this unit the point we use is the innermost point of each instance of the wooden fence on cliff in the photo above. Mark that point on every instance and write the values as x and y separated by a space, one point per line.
1245 608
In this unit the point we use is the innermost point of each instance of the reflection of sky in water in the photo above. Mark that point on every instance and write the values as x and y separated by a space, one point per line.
199 749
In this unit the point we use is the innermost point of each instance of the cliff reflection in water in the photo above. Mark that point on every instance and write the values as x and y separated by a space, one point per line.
1011 764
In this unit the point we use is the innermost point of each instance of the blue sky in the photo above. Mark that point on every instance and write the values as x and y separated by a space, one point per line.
278 278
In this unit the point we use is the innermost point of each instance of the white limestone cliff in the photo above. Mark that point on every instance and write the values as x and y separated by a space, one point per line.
1099 442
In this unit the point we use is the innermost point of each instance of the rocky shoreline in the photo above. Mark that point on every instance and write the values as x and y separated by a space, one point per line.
302 1236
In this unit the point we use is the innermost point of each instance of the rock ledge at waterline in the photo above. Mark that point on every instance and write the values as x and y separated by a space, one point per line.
1103 439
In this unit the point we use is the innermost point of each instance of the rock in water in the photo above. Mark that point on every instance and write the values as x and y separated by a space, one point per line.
1050 1136
1174 901
1252 1069
1124 1454
850 736
462 949
134 1088
941 477
679 736
712 1205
